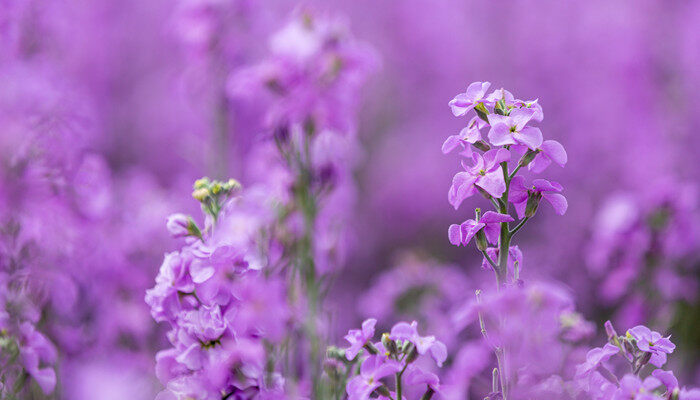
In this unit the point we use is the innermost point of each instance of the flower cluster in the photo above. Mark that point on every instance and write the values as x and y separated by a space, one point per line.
489 168
642 251
398 355
641 349
223 311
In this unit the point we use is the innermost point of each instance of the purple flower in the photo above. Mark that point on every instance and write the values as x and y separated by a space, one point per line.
667 378
489 222
358 338
511 129
485 173
464 102
652 342
424 344
595 358
631 387
416 376
550 151
519 194
374 368
466 137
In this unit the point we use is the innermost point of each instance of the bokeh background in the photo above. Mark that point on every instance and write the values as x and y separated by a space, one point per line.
125 104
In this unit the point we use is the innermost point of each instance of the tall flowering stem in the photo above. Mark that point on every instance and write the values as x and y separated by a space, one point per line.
489 168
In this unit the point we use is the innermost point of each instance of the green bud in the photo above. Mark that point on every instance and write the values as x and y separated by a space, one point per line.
412 355
389 345
335 353
533 201
384 391
482 112
528 157
481 243
482 145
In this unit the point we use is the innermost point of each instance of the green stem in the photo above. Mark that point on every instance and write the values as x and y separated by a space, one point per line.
517 227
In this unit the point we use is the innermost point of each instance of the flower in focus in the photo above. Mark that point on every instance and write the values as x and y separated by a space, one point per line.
464 102
485 173
652 342
359 337
511 129
526 199
489 222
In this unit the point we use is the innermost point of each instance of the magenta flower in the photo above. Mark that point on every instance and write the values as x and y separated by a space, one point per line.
632 387
466 137
489 222
652 342
511 129
424 344
519 194
464 102
485 173
358 338
550 151
595 358
416 376
374 368
177 225
667 378
36 350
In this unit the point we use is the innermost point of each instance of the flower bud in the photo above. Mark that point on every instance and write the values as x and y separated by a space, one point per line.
181 225
533 201
384 391
481 243
482 112
389 344
482 145
528 157
675 395
610 331
412 354
200 194
334 369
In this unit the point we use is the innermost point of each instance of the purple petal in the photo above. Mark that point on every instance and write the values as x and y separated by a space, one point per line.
521 117
555 152
491 217
450 144
500 135
454 234
470 135
557 201
529 136
439 352
543 185
469 228
494 157
493 183
477 90
518 192
539 163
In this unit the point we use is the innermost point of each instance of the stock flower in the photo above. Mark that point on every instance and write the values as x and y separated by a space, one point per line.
36 354
485 173
466 137
359 337
424 344
511 129
667 378
550 151
652 342
464 102
489 222
373 368
594 359
632 387
520 195
178 224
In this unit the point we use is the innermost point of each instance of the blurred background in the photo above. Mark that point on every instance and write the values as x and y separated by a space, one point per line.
121 105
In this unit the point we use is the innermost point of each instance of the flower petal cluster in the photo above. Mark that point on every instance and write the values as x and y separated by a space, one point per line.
395 355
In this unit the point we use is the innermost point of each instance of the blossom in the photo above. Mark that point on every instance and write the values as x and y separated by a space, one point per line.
466 137
632 387
485 173
35 351
595 358
549 151
652 342
424 344
373 368
520 195
511 129
464 102
178 225
359 337
490 222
